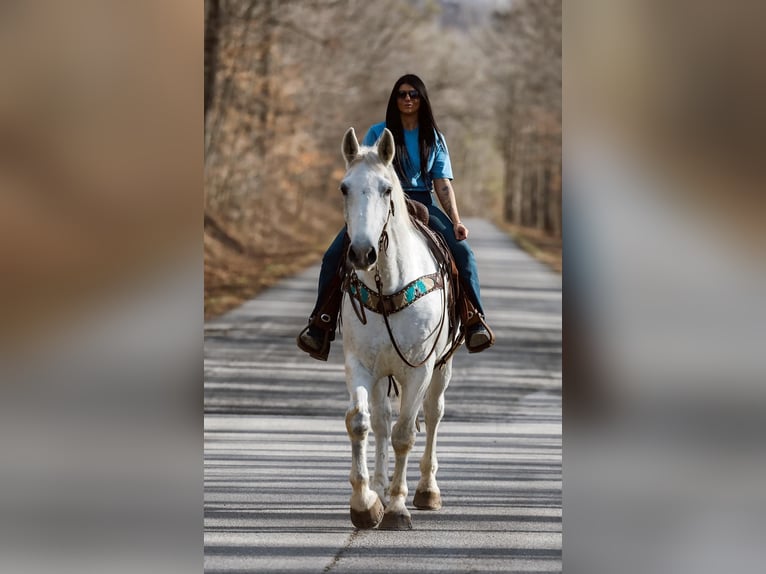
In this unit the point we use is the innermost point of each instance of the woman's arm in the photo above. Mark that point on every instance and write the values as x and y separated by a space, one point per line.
446 195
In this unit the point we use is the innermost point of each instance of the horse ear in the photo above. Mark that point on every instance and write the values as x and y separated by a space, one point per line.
350 146
386 147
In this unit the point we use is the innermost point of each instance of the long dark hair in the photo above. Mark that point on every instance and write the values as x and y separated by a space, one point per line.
427 131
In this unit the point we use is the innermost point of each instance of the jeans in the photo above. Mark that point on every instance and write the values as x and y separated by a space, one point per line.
439 222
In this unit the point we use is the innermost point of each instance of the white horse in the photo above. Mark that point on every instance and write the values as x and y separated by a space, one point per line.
388 254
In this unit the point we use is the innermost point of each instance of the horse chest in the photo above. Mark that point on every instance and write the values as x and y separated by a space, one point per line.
371 343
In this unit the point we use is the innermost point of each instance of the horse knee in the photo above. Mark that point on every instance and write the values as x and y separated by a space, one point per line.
434 410
357 423
402 439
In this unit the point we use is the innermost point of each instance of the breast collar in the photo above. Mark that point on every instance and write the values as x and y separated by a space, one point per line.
395 302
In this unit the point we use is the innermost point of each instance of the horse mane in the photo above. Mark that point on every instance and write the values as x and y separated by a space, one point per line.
369 155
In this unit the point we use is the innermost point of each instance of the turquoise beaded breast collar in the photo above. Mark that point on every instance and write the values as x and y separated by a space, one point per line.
389 304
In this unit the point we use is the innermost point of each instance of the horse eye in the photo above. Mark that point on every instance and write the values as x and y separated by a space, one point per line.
388 190
343 188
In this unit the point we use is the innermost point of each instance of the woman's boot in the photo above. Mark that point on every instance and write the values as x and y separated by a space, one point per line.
316 337
478 335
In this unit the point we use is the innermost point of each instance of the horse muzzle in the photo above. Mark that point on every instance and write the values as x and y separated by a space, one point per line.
362 256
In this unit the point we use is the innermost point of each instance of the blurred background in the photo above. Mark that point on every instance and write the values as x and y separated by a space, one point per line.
284 80
664 284
101 286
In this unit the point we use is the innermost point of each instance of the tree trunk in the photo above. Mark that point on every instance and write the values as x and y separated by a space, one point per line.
555 207
541 193
517 184
212 34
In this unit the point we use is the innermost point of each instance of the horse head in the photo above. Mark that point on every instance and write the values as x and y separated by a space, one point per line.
370 189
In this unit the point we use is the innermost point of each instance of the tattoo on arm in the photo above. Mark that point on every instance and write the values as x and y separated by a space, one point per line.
447 199
444 194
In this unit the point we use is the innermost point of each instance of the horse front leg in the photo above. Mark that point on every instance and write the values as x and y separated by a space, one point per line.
397 517
427 494
366 508
381 426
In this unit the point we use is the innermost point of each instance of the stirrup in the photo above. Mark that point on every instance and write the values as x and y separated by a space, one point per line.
321 353
473 322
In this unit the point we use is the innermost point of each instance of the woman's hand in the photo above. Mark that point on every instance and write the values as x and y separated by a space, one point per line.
461 231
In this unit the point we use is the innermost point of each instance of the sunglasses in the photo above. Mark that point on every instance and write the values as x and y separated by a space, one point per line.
413 94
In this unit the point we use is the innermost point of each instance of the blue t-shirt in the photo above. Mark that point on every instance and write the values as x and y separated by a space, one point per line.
439 166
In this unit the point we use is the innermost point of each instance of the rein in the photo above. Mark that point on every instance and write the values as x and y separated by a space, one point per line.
391 334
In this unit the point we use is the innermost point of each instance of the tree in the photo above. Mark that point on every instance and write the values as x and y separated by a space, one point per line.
528 35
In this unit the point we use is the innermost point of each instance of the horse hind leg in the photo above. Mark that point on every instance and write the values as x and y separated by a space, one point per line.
366 507
427 493
381 427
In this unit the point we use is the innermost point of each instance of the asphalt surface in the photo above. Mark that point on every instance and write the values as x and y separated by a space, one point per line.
277 456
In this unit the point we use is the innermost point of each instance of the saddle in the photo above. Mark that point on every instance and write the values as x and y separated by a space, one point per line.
417 211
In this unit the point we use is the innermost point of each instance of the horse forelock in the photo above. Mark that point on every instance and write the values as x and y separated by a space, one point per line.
369 155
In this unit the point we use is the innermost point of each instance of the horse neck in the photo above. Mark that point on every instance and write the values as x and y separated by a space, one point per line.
406 258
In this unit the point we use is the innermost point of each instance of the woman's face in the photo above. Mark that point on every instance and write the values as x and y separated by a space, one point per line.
408 100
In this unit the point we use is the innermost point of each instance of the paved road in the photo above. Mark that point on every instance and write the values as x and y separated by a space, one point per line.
277 456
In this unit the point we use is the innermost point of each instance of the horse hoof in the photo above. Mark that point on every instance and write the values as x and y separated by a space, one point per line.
427 500
366 519
395 521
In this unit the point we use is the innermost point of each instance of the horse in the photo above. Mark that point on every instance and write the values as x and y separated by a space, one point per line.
390 258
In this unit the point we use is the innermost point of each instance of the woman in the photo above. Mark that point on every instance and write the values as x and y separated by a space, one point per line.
422 163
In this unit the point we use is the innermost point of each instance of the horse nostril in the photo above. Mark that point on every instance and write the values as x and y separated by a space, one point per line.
362 257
